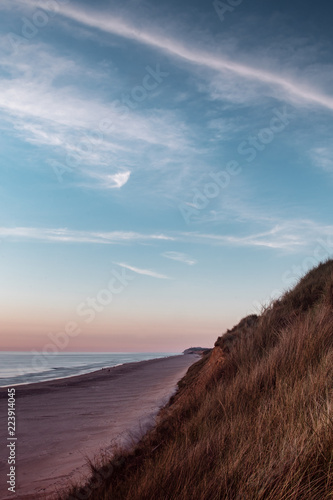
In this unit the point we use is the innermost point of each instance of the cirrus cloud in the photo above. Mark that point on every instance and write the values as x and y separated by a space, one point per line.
179 257
145 272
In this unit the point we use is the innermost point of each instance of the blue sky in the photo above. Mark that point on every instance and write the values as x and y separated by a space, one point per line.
186 145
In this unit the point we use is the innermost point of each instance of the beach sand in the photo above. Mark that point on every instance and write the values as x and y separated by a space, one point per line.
62 422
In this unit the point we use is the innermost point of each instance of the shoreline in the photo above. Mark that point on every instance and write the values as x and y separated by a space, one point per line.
62 422
85 372
72 380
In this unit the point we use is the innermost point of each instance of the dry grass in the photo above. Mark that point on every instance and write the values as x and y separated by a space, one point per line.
252 420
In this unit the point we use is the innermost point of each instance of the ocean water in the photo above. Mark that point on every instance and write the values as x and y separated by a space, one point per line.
27 368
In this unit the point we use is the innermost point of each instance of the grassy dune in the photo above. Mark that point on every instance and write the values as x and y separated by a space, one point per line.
253 419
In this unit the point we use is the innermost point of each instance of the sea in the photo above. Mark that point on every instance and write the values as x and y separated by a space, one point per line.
26 368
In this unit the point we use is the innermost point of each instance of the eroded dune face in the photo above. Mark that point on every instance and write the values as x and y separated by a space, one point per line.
251 419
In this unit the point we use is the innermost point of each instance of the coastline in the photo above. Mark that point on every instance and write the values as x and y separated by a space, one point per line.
102 374
58 367
62 422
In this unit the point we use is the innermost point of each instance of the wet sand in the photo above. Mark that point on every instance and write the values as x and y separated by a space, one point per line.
63 422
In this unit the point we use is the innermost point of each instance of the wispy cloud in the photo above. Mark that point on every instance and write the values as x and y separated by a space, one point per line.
66 235
107 22
180 257
64 118
287 235
49 113
118 180
115 181
323 158
145 272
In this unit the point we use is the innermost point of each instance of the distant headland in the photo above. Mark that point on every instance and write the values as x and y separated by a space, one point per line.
196 350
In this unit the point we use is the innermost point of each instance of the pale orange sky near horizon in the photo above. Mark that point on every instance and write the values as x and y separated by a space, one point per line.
126 336
133 322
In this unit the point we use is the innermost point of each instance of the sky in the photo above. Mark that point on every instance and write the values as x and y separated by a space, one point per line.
166 167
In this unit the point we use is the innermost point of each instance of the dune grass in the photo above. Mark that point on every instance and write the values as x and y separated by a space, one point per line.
252 420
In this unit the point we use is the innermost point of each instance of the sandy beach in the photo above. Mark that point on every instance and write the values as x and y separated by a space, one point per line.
62 422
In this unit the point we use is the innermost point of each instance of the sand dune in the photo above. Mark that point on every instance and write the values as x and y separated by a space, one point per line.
60 423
